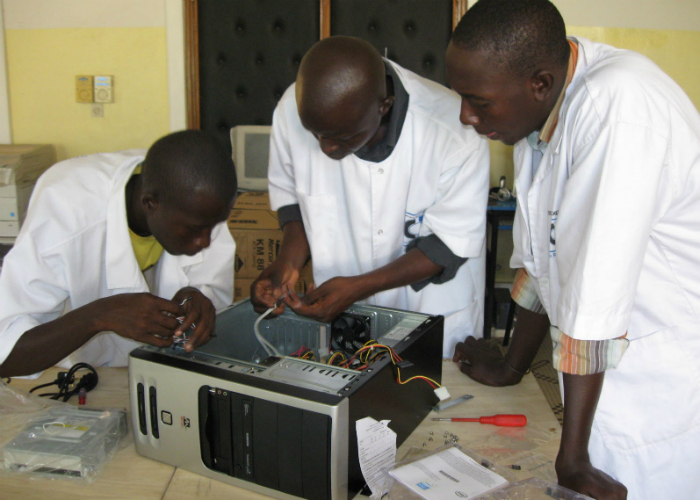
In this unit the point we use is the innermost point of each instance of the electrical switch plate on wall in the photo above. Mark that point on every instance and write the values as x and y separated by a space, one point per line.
103 89
84 88
97 110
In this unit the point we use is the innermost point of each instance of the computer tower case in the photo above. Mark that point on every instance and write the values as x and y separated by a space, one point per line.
283 425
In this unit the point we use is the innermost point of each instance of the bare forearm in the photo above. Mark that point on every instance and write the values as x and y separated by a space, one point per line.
530 330
573 464
485 364
139 316
45 345
410 268
294 250
581 394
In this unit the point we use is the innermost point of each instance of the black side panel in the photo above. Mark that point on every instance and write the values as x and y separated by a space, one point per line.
316 456
382 398
265 448
289 439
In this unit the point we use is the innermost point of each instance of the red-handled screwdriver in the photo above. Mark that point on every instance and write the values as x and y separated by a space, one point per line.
501 420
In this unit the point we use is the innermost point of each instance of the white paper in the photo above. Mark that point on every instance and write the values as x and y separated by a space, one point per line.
448 474
376 445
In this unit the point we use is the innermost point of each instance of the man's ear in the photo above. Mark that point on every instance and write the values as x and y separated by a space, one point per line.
386 104
541 84
150 202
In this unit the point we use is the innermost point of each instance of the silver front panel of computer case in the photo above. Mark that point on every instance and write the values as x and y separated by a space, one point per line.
179 443
236 361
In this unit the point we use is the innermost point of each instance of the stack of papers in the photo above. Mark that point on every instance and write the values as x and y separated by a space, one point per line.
447 474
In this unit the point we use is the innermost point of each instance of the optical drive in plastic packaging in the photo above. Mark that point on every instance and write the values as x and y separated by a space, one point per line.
65 442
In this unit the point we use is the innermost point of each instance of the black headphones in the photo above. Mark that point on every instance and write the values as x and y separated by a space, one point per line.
67 386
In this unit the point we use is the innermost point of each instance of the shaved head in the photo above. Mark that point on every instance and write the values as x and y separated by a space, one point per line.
340 72
187 161
521 35
342 95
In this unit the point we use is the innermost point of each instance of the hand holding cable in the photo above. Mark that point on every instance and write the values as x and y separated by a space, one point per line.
267 345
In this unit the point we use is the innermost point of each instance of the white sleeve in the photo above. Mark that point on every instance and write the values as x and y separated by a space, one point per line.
610 203
458 216
33 291
281 181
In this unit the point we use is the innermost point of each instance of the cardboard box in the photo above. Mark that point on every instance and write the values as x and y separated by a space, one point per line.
254 200
255 228
258 239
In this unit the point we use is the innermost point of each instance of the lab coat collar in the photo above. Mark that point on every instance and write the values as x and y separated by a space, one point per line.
579 71
121 266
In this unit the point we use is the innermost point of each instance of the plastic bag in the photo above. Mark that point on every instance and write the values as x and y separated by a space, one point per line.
43 438
527 489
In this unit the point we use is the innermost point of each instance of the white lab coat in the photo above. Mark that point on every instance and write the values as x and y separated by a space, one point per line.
359 215
74 248
610 228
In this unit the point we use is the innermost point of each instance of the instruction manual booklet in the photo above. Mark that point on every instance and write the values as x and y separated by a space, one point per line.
447 474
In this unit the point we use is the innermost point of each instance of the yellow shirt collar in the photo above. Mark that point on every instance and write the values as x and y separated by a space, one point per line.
550 125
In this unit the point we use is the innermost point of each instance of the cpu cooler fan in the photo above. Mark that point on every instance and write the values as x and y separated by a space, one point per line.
349 332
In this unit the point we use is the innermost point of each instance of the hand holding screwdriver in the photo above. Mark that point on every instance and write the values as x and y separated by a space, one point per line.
500 420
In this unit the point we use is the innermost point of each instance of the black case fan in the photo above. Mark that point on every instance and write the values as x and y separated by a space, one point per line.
349 332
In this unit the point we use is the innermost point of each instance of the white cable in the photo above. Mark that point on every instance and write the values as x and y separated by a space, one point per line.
271 350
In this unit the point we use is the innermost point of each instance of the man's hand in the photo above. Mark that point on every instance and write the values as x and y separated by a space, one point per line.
274 282
198 320
327 301
581 476
143 317
484 363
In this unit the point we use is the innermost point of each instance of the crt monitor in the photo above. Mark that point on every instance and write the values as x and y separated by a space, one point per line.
251 151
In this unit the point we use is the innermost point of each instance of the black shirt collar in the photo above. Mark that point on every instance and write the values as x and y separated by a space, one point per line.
383 149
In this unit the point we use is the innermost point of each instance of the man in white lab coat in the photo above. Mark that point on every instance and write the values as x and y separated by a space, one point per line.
375 179
128 242
607 231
